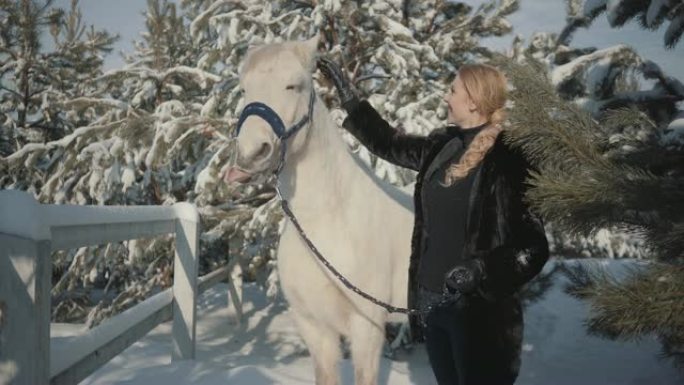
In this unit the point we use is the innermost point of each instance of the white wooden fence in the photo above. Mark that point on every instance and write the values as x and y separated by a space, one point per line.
30 232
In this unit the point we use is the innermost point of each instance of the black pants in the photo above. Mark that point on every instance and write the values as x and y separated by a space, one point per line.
454 351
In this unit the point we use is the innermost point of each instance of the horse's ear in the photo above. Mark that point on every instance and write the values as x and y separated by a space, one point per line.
308 51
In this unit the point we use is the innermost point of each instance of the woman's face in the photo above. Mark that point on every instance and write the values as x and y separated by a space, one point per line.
460 107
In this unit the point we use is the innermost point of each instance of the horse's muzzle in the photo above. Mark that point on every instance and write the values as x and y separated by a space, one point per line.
236 175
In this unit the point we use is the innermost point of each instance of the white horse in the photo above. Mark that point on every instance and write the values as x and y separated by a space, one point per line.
360 223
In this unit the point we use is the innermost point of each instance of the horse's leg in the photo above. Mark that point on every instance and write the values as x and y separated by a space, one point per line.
366 342
324 347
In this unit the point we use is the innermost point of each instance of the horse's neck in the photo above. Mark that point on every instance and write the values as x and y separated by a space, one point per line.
320 175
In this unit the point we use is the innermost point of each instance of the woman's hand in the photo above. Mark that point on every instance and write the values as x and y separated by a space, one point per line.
464 277
345 89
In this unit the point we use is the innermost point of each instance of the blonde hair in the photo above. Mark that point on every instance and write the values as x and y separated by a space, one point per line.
486 87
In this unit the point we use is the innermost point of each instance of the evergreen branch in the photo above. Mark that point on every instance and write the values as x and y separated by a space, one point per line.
676 28
624 99
648 300
668 241
652 157
651 70
579 186
439 6
581 203
45 6
9 52
197 74
626 117
108 103
13 92
574 23
63 142
304 4
586 200
623 11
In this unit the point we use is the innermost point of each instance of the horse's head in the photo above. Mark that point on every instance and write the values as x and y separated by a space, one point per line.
277 76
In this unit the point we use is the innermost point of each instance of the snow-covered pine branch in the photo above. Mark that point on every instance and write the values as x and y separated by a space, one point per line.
651 15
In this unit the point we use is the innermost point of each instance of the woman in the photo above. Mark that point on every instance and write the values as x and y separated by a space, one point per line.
474 236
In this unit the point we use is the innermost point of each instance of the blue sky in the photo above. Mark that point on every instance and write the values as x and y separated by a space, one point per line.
125 18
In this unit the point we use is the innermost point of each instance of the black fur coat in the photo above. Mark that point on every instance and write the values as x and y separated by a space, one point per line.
501 230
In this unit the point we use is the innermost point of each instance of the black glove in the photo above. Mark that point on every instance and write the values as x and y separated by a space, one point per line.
345 89
464 277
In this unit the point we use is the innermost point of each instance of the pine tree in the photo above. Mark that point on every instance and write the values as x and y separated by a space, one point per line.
588 180
609 152
35 83
601 80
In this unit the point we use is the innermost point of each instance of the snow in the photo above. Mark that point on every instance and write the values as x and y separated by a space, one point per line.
596 75
395 29
201 77
201 20
674 134
83 102
81 343
566 71
650 69
187 211
128 177
294 24
332 6
63 142
267 349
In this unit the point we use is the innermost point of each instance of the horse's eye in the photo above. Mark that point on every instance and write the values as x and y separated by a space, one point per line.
292 87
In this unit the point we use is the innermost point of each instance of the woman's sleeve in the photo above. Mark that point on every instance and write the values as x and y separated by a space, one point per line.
383 140
509 266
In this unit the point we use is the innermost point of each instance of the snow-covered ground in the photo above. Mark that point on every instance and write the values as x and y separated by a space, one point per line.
267 349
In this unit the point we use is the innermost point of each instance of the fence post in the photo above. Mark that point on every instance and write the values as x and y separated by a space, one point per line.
25 280
25 271
235 288
185 267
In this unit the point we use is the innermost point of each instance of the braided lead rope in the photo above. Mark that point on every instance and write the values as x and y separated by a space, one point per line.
390 308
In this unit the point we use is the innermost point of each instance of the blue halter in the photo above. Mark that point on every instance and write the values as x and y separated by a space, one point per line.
271 117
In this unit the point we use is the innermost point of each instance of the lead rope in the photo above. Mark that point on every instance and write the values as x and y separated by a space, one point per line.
390 308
